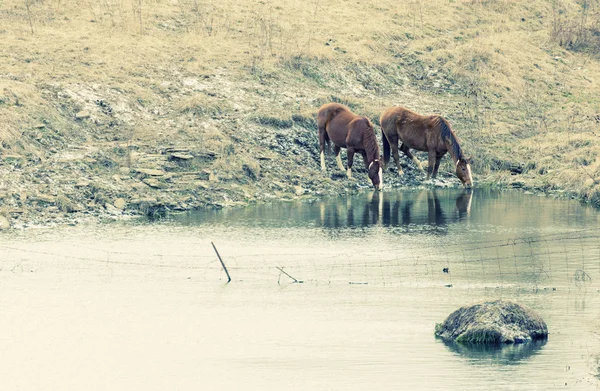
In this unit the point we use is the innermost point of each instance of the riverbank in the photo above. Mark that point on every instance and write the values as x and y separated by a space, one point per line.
113 111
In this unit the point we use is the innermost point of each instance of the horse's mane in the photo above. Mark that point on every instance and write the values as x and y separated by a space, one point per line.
369 140
448 135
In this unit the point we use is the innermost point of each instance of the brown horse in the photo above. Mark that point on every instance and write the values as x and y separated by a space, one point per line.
345 129
428 133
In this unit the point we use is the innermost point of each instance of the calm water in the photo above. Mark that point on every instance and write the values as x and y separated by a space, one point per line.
145 306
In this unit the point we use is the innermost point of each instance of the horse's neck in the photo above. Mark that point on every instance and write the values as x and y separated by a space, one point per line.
451 150
372 154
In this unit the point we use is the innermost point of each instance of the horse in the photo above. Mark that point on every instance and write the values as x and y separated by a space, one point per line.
428 133
338 124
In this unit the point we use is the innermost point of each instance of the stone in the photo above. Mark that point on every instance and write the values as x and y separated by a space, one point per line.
154 183
43 198
120 203
4 222
150 171
82 115
180 156
112 209
493 323
144 200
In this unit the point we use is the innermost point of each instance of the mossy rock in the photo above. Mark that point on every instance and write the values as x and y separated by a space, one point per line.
494 322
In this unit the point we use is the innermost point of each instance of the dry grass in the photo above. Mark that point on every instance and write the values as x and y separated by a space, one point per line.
517 81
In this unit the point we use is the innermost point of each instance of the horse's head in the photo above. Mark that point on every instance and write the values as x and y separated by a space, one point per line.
463 172
375 171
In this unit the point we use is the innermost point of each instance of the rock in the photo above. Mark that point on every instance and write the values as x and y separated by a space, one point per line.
150 171
154 183
4 222
180 156
145 200
493 322
120 203
112 209
299 190
43 198
124 170
12 157
82 115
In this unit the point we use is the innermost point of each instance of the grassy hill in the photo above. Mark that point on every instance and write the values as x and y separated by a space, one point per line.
183 104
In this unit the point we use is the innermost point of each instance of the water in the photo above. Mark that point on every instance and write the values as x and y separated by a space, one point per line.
145 306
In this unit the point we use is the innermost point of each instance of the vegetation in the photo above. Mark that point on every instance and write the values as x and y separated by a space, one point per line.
95 89
492 323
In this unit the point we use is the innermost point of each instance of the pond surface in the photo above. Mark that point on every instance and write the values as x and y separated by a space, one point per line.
145 306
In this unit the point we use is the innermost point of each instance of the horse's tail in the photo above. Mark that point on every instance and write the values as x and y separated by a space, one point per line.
323 119
386 148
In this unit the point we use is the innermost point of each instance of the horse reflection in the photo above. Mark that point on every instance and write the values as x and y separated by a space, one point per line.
396 209
463 204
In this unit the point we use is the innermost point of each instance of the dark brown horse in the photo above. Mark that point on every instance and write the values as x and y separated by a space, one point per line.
428 133
345 129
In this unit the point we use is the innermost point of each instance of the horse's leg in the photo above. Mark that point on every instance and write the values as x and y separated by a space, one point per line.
350 151
322 139
437 165
432 161
338 158
397 156
404 148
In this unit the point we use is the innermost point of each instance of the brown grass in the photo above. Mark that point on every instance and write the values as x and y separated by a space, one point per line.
518 83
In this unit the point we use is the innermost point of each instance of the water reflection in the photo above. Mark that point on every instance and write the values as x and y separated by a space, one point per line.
508 354
393 209
429 208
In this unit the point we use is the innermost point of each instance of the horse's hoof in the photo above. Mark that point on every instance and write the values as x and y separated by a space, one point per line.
400 172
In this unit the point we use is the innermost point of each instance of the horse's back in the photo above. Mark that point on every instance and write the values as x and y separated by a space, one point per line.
409 126
328 110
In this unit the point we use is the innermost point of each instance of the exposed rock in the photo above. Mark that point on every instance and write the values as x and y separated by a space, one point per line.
4 222
147 200
299 190
43 198
180 156
120 203
150 171
82 115
154 183
493 322
112 209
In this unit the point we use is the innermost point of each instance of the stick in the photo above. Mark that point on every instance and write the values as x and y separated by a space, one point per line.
284 272
222 263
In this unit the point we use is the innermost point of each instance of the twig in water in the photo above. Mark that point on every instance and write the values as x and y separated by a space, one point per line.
284 272
222 263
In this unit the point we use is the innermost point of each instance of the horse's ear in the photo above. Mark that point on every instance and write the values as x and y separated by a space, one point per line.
469 160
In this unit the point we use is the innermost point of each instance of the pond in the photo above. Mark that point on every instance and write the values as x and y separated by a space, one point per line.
146 306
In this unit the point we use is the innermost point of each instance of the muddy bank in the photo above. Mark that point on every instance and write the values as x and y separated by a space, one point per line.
86 188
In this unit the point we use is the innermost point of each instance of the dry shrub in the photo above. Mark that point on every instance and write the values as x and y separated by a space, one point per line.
576 26
203 105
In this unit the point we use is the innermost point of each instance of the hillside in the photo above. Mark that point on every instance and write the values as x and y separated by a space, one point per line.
154 105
